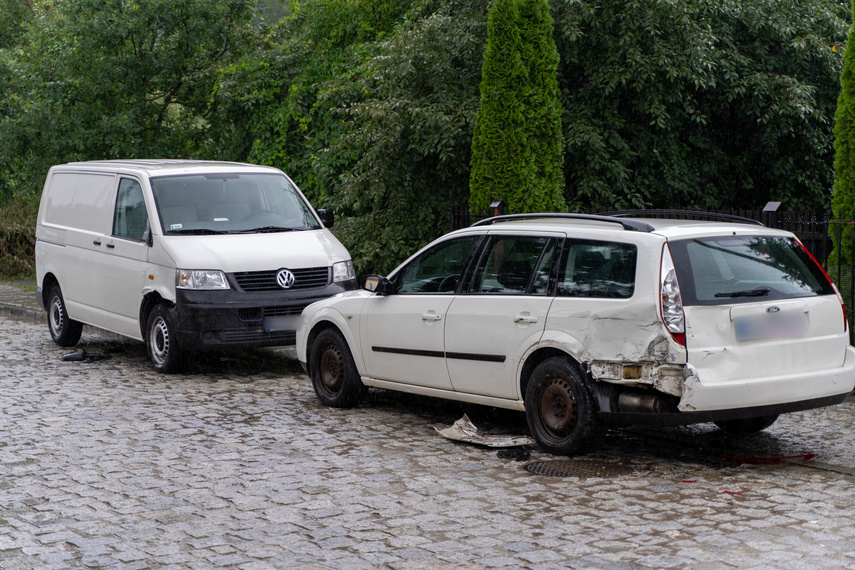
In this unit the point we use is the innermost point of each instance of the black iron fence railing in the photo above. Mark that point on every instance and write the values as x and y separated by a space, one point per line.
814 230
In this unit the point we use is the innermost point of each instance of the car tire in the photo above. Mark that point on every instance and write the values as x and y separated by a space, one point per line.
63 330
561 410
161 342
334 375
746 425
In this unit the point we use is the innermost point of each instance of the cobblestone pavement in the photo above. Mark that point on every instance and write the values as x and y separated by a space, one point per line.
104 463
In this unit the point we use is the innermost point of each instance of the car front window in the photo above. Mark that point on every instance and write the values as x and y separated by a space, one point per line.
230 203
437 270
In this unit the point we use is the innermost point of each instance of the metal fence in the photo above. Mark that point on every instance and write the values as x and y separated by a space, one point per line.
814 230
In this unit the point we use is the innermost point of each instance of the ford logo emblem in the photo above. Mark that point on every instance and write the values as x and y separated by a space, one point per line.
773 309
285 279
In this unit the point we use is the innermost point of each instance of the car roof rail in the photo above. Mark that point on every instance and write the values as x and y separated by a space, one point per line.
630 225
684 215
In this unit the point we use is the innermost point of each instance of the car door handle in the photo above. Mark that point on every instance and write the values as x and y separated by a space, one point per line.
110 246
525 318
430 316
96 242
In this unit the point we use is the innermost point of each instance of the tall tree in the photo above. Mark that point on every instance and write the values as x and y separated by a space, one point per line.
844 149
517 148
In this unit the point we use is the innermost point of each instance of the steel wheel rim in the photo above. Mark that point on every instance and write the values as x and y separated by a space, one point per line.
559 409
56 316
331 369
159 341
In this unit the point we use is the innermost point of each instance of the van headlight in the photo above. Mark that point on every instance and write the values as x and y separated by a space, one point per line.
343 271
200 279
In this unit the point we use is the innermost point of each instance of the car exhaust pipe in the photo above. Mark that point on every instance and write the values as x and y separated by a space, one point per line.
635 402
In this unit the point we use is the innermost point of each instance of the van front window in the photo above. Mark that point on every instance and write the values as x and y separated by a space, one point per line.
230 203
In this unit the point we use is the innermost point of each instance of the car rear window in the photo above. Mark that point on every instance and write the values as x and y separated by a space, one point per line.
744 269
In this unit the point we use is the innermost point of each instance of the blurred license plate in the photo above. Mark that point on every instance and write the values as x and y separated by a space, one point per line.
771 326
274 324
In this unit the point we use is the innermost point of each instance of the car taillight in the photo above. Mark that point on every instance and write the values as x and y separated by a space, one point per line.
670 300
836 290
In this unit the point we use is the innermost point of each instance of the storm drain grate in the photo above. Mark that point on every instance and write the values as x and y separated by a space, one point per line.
577 468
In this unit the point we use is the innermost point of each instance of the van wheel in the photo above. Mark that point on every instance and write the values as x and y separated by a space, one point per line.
161 342
63 330
747 425
334 375
561 410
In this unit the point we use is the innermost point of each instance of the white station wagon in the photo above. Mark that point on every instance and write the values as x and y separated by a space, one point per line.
585 322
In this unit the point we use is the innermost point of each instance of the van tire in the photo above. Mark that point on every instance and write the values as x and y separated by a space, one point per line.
334 376
746 425
161 342
561 410
63 330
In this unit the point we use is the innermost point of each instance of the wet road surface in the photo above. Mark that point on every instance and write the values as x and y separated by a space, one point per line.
106 464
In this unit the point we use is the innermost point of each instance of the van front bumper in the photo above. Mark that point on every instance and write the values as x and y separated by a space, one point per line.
206 320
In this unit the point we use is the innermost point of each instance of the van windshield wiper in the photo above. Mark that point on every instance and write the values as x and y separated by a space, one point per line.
263 230
758 292
197 232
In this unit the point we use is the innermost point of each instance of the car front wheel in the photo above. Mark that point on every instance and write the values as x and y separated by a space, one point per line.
334 375
63 330
561 410
161 342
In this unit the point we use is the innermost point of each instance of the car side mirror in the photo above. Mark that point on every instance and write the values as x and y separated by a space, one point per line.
378 284
327 217
147 237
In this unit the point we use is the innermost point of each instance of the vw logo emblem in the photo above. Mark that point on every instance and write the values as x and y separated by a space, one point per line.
285 279
773 309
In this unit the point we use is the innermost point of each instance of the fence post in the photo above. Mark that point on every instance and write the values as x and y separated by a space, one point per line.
771 209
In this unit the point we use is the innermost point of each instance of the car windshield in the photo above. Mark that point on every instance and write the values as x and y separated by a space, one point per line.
744 269
208 204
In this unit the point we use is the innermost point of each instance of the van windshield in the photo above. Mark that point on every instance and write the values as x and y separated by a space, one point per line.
745 269
200 204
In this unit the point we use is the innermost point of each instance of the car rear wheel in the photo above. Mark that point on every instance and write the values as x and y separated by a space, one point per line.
561 410
747 425
334 375
63 330
161 342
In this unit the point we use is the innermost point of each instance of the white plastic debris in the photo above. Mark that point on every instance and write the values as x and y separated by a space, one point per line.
464 430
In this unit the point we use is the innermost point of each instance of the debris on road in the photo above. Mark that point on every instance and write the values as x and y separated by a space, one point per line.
464 430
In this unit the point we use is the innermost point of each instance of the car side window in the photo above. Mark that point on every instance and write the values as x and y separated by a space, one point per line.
510 264
130 218
439 269
597 269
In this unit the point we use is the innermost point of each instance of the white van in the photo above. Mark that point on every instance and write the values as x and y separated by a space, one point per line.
184 255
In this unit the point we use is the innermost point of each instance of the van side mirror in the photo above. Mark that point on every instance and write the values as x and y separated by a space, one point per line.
327 217
378 284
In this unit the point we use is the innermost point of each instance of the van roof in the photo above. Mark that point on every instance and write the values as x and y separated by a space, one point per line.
161 167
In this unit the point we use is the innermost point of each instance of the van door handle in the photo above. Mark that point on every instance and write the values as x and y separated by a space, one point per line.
96 242
431 316
525 318
110 246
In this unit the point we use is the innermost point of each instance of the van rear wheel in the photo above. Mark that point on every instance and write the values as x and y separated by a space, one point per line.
162 343
63 330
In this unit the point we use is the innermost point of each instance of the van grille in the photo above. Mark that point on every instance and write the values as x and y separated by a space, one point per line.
307 278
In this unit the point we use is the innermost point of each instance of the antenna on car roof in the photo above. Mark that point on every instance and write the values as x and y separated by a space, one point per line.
630 225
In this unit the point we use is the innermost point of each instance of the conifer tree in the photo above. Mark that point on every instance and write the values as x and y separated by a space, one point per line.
843 200
517 148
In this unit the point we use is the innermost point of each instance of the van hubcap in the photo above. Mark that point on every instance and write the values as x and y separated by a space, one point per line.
159 341
56 315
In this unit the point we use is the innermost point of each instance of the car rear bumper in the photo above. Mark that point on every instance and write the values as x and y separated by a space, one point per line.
708 402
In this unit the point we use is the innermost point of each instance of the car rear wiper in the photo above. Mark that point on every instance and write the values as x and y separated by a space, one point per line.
758 292
197 232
